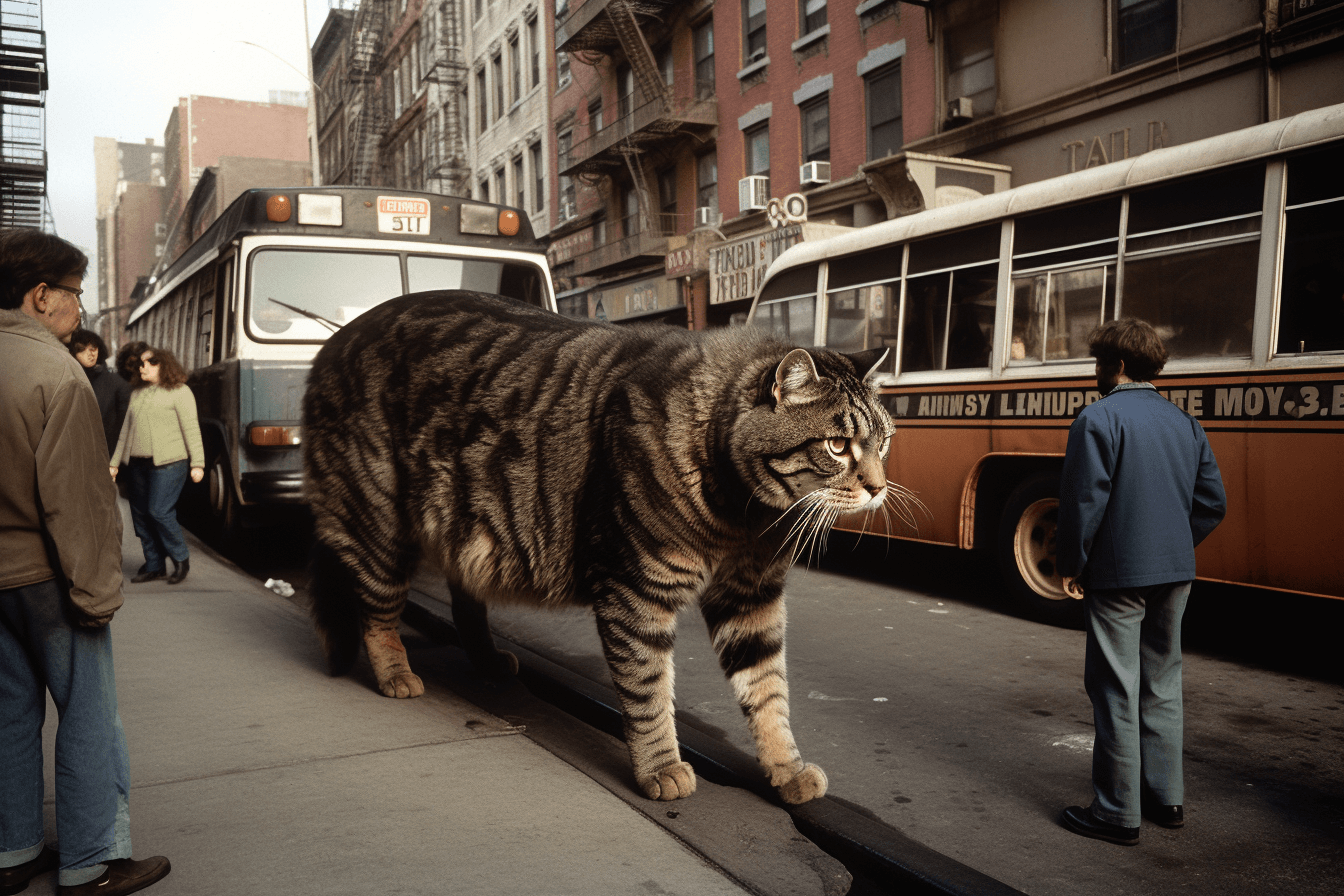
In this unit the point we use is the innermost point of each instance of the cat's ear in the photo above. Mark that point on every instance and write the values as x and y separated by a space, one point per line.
796 379
868 362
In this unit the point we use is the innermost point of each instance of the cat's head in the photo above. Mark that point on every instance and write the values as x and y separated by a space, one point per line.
816 434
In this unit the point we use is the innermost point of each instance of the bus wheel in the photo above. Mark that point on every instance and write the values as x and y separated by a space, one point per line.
1026 552
224 514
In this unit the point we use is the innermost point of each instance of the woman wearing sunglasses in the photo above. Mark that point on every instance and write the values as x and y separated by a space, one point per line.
160 443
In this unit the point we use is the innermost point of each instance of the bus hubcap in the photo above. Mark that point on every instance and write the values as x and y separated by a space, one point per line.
1034 547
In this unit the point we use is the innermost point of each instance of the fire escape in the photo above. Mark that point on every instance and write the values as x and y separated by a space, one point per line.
23 85
656 118
366 112
443 55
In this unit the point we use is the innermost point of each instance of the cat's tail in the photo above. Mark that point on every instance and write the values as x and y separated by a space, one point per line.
336 608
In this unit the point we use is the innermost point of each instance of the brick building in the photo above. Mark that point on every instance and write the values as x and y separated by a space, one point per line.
129 187
203 129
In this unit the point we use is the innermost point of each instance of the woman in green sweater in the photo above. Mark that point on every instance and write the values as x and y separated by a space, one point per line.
160 443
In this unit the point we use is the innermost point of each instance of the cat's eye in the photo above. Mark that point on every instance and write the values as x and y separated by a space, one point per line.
837 448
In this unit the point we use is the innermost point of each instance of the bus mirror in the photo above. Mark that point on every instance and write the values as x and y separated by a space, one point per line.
320 209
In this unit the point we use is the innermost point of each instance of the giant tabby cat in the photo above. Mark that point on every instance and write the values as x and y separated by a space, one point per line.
555 462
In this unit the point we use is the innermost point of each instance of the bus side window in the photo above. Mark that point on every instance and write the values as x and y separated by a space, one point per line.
1311 310
949 314
1191 258
226 338
788 305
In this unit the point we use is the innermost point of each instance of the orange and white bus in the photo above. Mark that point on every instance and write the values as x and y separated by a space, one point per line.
1232 247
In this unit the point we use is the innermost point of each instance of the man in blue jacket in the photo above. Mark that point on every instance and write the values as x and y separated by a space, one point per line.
1139 490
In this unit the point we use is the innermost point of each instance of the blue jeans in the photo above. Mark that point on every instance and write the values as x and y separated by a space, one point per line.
41 651
1133 676
153 500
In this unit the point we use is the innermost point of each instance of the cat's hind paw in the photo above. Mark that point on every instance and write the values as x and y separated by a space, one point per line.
808 784
671 782
402 685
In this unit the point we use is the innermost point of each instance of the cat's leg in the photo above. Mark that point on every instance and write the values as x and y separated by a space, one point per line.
387 655
746 626
637 637
473 627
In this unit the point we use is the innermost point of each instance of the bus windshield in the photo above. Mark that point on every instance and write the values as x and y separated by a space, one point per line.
301 295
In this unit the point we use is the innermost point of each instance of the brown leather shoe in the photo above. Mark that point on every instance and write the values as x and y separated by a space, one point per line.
122 876
180 571
15 879
148 575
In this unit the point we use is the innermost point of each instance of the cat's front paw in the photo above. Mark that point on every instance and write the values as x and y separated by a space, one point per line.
402 685
808 784
671 782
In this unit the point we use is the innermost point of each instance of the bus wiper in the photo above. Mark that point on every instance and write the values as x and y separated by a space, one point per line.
304 311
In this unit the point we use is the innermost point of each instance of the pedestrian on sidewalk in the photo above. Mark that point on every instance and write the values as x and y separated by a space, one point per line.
1139 490
113 392
158 436
128 359
60 583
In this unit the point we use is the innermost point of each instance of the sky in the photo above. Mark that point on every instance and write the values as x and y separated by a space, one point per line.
117 68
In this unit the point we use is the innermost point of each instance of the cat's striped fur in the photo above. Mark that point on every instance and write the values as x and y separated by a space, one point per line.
556 462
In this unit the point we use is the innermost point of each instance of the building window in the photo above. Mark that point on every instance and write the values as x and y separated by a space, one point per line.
667 201
563 142
482 103
519 184
539 176
812 15
704 60
478 7
665 67
707 182
753 30
484 187
883 87
757 142
534 44
595 116
497 72
1144 29
625 90
501 196
970 65
562 75
629 211
515 70
816 118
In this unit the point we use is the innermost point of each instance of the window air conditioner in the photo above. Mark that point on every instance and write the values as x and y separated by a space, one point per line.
753 192
706 216
566 211
815 173
959 110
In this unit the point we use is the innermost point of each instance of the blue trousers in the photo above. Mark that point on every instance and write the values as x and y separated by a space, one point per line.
41 651
153 500
1133 676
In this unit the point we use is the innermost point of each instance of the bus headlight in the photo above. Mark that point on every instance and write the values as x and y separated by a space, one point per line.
267 435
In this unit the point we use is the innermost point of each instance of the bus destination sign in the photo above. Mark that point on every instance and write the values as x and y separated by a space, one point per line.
403 214
1269 401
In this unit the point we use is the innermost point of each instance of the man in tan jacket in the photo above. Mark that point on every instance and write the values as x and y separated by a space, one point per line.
60 583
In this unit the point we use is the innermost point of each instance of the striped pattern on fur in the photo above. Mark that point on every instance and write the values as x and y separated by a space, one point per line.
548 461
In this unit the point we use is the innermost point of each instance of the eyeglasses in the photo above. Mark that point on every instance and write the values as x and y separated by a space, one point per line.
73 290
151 361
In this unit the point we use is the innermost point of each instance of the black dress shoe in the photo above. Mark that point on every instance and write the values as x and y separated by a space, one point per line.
1166 816
148 575
1082 821
180 571
15 879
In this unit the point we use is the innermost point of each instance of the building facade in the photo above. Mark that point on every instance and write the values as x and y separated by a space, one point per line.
1122 77
23 125
203 129
129 189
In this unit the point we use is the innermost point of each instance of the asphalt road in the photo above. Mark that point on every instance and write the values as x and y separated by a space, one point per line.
937 710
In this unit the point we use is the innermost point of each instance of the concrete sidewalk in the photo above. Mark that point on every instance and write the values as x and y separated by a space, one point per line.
256 772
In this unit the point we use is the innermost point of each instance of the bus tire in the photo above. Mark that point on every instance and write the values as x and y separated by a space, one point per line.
1025 551
225 514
